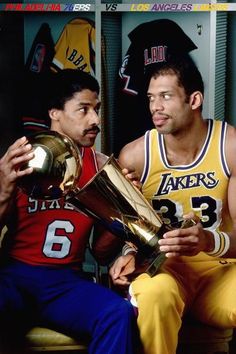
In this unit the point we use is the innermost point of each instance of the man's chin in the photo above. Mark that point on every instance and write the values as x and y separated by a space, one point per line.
164 130
88 142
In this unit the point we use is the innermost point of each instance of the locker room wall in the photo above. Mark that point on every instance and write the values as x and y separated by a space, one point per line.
188 22
231 70
123 23
56 22
112 27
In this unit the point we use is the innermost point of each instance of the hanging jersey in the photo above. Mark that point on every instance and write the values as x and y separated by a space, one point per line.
151 42
75 48
200 187
52 232
41 52
36 76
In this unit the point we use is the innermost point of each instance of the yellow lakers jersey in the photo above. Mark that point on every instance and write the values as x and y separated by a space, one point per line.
75 48
200 187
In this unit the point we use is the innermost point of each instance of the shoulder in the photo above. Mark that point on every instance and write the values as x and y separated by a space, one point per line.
132 155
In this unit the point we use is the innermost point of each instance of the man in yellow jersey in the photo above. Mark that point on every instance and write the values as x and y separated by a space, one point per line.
187 166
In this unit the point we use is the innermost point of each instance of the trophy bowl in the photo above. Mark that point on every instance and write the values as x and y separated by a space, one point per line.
57 165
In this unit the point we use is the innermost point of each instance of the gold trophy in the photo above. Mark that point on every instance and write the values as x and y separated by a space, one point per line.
113 200
57 165
108 197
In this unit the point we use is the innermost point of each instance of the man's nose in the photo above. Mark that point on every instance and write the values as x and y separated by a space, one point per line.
95 119
156 105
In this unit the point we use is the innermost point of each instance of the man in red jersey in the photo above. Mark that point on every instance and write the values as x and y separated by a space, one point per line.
41 271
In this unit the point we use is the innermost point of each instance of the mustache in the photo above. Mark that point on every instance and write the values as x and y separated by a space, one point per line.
92 130
160 114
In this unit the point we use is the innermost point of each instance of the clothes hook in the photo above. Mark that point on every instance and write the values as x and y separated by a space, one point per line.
199 29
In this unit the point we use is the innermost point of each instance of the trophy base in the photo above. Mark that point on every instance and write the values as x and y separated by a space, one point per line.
158 258
155 265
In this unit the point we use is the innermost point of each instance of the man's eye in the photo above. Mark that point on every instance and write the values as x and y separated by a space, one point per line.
166 96
83 109
97 108
150 98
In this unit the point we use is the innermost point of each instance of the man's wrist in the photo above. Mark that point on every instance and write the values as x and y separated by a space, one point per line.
221 244
6 194
127 249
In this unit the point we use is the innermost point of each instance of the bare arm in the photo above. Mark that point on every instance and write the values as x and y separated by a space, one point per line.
121 269
105 246
231 160
16 155
132 156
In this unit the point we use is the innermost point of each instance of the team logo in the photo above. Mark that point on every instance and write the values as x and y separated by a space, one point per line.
156 54
123 66
38 58
171 183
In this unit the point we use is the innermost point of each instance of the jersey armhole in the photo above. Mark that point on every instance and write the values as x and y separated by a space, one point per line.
146 157
225 166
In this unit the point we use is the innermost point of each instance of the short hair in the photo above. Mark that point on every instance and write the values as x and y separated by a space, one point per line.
184 68
65 83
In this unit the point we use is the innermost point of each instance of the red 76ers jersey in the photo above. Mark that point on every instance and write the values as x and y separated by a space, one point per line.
44 232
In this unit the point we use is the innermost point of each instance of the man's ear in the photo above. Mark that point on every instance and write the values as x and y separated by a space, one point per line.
54 114
196 99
